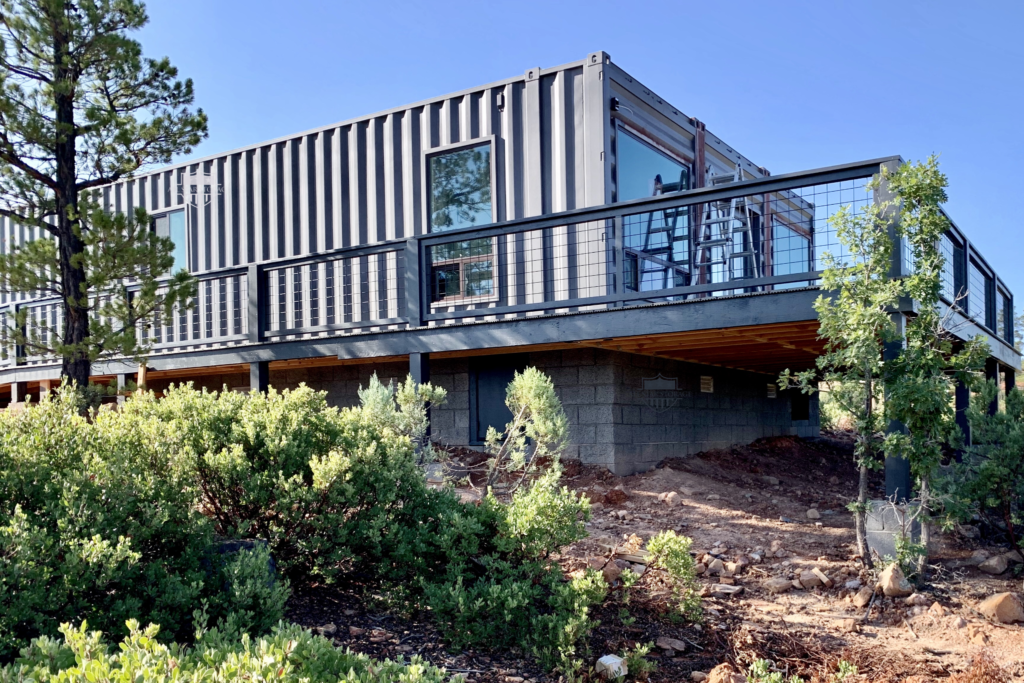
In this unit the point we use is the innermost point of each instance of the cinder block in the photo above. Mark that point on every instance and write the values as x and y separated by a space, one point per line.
597 374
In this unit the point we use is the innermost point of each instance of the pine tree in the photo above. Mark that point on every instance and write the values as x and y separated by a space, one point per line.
81 108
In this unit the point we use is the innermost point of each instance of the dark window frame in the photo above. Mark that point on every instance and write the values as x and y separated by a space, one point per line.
489 141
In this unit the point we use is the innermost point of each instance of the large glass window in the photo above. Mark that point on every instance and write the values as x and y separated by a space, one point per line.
977 294
657 243
643 171
460 188
1004 317
172 226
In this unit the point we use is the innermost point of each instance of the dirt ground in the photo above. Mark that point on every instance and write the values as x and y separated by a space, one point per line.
749 508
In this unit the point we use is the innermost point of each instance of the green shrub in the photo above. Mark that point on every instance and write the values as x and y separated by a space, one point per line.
94 525
990 479
287 655
761 672
135 499
672 553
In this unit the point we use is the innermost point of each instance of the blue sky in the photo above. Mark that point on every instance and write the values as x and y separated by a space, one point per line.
793 85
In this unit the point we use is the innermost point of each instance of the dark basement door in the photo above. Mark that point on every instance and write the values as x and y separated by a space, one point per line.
489 377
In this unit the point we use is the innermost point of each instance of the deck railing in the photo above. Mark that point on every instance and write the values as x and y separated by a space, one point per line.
753 236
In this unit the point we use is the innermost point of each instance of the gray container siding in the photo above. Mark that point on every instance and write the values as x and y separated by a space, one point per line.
362 182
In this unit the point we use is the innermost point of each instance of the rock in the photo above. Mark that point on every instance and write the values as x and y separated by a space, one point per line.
937 610
596 506
1005 608
714 496
721 590
813 514
771 481
612 571
994 565
853 584
328 630
893 584
356 631
716 567
833 480
597 563
863 596
698 676
666 643
916 600
725 673
672 499
979 638
849 625
809 580
718 550
823 577
977 557
611 666
777 585
958 622
349 612
617 496
700 568
1013 557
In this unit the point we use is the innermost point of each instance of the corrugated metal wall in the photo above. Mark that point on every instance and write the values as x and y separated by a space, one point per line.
361 182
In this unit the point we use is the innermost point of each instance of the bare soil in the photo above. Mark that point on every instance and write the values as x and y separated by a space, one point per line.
748 502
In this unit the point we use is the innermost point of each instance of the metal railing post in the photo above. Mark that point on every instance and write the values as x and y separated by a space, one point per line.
413 283
255 290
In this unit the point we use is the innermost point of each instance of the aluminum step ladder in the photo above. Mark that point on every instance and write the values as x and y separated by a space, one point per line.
725 246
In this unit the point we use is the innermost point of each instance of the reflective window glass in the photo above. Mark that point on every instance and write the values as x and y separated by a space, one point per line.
642 171
172 226
460 188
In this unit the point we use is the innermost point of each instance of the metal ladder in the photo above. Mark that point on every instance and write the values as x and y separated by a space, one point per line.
726 236
661 238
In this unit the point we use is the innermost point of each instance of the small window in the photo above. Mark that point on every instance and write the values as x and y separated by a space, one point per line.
172 226
460 188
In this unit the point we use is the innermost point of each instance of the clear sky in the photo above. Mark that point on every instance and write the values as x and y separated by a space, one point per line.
793 85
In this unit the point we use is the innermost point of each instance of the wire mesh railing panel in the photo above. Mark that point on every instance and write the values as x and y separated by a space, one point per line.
526 267
741 240
217 313
340 292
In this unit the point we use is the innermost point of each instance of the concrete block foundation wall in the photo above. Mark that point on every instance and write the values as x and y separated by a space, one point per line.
614 420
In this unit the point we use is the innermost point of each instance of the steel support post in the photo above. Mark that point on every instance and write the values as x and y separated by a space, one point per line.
122 383
419 368
898 485
19 392
962 398
992 375
259 376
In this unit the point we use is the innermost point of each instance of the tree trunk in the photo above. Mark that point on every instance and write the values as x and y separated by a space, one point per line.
922 559
862 484
71 246
861 517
